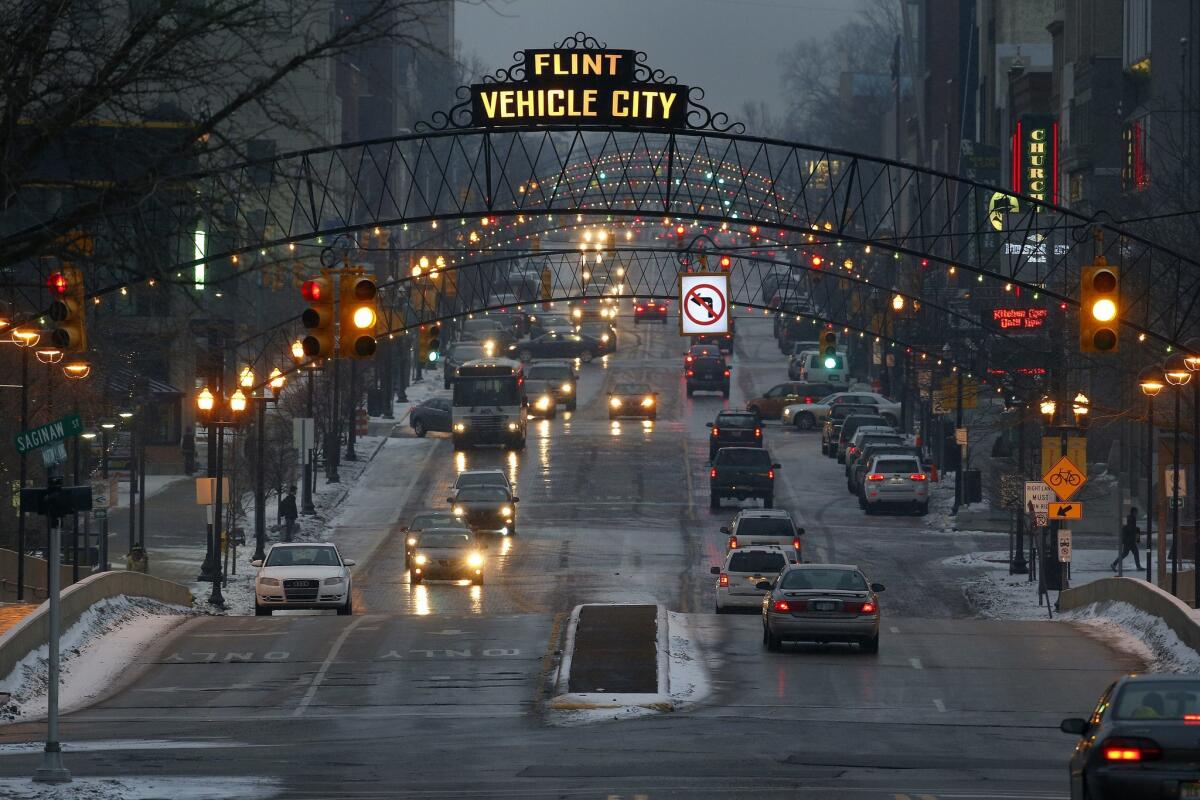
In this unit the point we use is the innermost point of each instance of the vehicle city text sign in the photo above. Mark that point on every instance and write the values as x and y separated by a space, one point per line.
581 87
703 303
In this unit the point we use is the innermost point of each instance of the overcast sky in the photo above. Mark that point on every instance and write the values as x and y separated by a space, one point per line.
730 47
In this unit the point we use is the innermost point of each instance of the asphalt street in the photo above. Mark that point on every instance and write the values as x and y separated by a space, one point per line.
438 690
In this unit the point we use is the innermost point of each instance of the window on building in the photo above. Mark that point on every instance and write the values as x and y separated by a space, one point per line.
1135 50
1135 174
1075 187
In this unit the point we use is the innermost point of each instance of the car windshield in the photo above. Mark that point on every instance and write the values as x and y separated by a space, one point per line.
893 466
483 494
467 352
1150 699
315 556
830 579
486 392
445 540
557 322
765 526
631 388
742 457
758 562
550 372
481 479
736 421
437 520
480 325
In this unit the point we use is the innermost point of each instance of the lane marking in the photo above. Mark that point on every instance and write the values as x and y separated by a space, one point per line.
939 705
320 676
915 663
894 629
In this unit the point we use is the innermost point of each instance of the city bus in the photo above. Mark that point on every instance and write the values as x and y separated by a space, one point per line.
489 405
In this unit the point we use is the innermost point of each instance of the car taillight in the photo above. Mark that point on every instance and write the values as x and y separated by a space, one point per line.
796 542
771 474
641 308
716 431
781 605
688 359
808 401
917 476
874 476
1127 749
691 373
723 580
726 373
867 608
712 473
733 543
757 433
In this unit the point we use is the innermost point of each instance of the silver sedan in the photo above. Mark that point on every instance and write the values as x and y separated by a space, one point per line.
821 603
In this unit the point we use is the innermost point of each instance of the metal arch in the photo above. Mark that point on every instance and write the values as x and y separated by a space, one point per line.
445 175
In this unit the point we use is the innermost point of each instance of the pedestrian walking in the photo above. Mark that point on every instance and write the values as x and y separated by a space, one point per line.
288 513
189 451
1129 541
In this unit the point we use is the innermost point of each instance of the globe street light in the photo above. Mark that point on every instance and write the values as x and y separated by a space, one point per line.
1151 381
220 416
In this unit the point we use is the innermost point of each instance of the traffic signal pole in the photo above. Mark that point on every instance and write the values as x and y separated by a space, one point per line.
52 769
306 493
23 475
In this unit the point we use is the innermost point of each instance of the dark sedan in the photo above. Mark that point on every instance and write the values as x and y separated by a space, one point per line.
427 520
559 345
430 415
1141 741
632 400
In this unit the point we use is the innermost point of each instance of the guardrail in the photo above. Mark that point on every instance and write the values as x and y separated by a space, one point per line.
32 632
1177 614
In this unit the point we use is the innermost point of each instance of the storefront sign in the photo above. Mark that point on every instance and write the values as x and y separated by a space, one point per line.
1017 320
1035 157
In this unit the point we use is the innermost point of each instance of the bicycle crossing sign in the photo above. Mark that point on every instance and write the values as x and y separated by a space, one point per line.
1065 479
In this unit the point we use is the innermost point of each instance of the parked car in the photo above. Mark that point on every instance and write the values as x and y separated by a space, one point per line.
769 405
430 415
808 415
851 424
821 603
868 435
858 475
831 428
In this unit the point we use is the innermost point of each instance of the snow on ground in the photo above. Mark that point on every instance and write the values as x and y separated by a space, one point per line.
94 651
995 593
209 787
1137 632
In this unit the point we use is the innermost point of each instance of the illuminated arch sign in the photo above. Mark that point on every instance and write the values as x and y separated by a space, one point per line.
583 86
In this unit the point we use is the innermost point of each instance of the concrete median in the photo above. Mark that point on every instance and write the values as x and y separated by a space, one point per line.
33 632
1178 616
614 656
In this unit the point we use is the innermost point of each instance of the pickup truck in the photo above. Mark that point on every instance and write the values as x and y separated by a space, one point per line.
742 472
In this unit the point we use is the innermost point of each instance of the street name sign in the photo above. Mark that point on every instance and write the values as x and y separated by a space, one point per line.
703 303
1065 478
70 425
1066 511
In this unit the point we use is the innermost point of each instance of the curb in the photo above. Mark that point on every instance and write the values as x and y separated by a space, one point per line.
566 700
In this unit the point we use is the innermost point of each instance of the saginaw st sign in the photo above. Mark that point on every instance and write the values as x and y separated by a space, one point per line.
579 87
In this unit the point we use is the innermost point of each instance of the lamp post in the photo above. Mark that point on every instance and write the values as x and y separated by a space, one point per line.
306 492
76 369
1177 373
105 428
1151 381
211 412
26 339
1192 362
275 385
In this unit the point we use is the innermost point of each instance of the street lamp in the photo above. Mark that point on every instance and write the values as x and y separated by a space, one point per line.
1191 360
1047 406
1178 374
1080 407
77 369
897 302
214 415
276 384
49 355
1151 381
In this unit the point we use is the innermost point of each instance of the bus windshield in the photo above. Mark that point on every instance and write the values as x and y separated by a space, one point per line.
496 391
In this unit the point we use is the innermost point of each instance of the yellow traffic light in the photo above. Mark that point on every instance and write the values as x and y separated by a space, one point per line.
318 317
1099 305
67 309
828 343
429 343
359 315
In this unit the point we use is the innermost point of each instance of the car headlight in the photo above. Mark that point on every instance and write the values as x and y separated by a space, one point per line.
268 581
512 426
412 540
576 313
420 559
543 403
459 511
475 560
566 388
459 427
489 347
647 402
334 581
604 337
506 511
615 402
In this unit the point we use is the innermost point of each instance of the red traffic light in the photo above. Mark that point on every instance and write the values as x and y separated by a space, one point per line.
311 291
58 283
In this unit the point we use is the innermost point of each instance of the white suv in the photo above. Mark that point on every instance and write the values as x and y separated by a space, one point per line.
895 481
744 569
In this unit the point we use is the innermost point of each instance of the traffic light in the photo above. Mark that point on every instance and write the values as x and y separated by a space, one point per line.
67 309
828 343
359 314
429 340
318 317
1099 305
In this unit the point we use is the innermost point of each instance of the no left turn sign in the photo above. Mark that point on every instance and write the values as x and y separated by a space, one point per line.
703 303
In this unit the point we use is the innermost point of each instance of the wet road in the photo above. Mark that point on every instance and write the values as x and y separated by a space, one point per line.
436 690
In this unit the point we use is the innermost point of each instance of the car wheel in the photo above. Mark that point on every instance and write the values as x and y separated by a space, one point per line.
849 487
690 391
769 502
346 610
714 501
870 509
806 422
719 609
525 355
861 502
419 429
586 356
774 643
725 392
259 611
871 645
923 509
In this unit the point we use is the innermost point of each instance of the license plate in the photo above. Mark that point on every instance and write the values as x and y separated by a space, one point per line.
1189 790
825 605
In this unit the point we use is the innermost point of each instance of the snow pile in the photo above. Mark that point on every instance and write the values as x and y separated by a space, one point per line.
209 787
94 651
1139 633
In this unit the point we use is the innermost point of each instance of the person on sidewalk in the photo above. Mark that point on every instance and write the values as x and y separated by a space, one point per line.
1129 541
288 513
189 451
